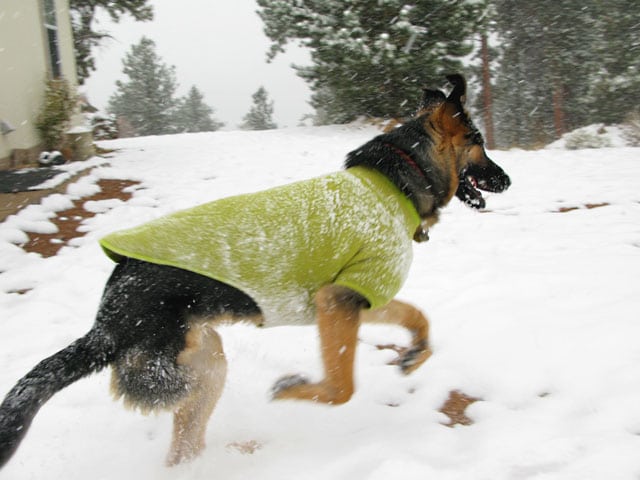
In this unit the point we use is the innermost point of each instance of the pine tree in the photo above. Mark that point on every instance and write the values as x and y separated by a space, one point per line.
193 115
371 57
481 66
564 65
146 99
486 91
259 116
85 37
615 83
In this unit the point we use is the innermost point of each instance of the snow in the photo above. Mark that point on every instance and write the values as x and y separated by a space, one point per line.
597 135
532 310
79 129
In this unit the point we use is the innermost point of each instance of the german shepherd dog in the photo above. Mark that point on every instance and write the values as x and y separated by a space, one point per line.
155 324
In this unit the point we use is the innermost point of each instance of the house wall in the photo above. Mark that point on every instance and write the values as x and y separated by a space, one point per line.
24 68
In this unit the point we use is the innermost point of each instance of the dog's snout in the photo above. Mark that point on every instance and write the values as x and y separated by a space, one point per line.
496 179
507 181
502 182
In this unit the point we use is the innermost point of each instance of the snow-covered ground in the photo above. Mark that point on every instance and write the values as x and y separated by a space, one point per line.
535 312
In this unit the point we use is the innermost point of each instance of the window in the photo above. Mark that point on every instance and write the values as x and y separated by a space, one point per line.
51 29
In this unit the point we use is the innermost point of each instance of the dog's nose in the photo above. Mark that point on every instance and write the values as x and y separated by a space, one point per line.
507 181
500 183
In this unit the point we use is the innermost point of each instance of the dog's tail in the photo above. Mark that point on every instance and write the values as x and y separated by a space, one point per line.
88 354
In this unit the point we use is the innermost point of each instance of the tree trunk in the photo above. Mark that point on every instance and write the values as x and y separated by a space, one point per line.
559 118
486 94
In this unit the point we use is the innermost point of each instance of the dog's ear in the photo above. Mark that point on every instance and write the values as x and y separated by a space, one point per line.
459 92
430 100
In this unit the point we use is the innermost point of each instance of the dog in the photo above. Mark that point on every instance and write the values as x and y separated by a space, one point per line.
337 253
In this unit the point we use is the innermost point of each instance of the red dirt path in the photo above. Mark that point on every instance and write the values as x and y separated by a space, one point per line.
68 221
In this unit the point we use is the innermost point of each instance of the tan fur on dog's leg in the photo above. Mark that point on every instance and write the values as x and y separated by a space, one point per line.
337 310
409 317
204 356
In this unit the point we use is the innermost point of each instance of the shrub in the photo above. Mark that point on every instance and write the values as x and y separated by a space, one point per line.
631 128
584 138
53 121
104 127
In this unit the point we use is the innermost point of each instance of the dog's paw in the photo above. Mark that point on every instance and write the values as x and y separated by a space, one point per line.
412 358
408 359
287 382
421 235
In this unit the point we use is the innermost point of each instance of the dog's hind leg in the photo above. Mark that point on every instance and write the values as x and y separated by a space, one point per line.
409 317
337 311
204 357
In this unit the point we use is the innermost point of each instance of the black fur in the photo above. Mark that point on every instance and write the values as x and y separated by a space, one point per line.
88 354
459 93
430 99
396 154
140 329
146 310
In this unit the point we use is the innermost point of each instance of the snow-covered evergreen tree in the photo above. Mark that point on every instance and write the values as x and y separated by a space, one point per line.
615 83
371 57
260 114
541 82
564 65
85 35
146 99
193 115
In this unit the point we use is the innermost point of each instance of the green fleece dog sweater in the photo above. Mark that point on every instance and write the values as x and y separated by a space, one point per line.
353 228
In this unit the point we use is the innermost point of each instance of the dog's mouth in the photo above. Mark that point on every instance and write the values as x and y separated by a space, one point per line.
468 191
474 178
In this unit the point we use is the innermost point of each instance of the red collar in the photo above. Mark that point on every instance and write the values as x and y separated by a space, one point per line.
406 157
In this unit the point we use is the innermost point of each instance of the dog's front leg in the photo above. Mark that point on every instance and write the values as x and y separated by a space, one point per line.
409 317
338 315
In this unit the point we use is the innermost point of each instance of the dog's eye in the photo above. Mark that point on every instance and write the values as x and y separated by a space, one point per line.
475 137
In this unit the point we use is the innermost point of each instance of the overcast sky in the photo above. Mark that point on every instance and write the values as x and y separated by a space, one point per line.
216 45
